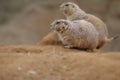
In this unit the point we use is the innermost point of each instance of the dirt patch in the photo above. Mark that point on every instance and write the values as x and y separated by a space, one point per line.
56 63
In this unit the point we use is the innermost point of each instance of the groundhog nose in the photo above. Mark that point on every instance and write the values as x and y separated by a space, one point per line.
51 26
61 7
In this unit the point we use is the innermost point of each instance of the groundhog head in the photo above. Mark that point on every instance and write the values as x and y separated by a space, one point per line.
68 8
60 25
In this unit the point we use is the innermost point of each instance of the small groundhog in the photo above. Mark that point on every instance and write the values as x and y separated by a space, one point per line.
73 12
76 34
50 39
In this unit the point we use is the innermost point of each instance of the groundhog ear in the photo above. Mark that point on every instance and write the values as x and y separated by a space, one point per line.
66 23
51 24
73 6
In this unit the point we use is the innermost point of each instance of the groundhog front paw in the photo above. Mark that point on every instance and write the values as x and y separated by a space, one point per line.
67 46
91 50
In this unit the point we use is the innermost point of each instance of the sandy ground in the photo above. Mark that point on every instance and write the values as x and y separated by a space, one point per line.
52 62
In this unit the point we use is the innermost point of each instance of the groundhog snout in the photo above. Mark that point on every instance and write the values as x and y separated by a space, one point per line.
62 8
51 27
58 29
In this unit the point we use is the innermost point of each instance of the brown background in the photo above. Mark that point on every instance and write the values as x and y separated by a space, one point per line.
27 21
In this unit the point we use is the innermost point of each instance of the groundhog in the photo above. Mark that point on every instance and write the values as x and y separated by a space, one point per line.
73 12
50 39
76 34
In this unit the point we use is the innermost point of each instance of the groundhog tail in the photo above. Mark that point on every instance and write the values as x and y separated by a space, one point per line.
111 39
115 37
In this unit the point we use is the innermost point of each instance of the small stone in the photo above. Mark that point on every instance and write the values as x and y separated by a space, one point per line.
28 53
32 72
19 68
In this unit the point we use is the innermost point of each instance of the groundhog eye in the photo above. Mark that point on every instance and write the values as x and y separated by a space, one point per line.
67 5
57 22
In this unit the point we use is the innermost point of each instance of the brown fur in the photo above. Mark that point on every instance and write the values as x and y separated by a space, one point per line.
50 39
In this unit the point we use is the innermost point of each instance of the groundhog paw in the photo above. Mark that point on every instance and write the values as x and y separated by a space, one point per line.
67 46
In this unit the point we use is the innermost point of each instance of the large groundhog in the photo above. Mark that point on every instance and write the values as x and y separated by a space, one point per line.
73 12
76 34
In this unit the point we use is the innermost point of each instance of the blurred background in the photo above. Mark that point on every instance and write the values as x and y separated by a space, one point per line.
28 21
